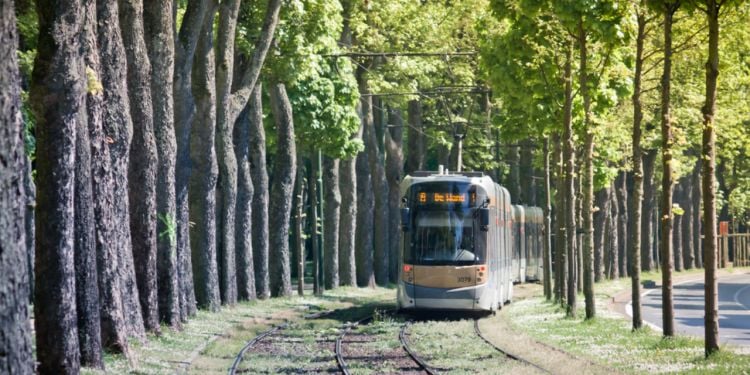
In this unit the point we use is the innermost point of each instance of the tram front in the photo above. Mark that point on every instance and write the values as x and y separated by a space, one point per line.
443 244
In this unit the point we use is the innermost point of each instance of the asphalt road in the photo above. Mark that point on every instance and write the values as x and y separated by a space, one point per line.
734 308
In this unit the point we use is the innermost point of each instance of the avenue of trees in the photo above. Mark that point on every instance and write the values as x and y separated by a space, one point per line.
159 157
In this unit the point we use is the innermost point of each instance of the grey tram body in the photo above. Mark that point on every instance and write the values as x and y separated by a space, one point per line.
510 247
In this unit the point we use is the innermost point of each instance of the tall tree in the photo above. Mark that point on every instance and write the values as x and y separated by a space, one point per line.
712 9
204 172
114 331
15 342
665 244
259 218
87 292
376 159
285 166
232 97
394 165
143 159
331 216
58 100
649 208
636 206
118 125
243 224
569 185
159 34
184 112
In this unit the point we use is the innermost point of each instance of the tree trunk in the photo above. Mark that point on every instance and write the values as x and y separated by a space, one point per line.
649 208
204 172
285 165
184 112
677 229
87 292
349 223
569 190
415 138
547 244
112 316
622 223
561 239
331 215
299 203
260 196
365 206
15 341
588 179
688 262
614 230
312 188
709 180
30 192
158 20
636 209
526 173
243 226
394 164
58 100
602 200
143 159
227 161
666 200
696 217
185 49
514 178
376 158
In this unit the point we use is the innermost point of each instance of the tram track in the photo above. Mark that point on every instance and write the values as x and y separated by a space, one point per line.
418 361
263 335
405 344
506 353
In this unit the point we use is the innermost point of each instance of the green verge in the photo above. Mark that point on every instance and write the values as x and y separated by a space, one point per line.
610 340
209 342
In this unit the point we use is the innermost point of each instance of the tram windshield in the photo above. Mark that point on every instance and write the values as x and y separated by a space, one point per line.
443 237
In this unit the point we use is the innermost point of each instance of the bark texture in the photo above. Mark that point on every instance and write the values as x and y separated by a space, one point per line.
87 292
58 100
376 159
331 216
569 189
587 209
15 340
259 175
184 112
204 172
114 331
634 241
243 225
365 206
348 224
649 210
394 164
622 223
708 156
143 159
415 138
227 161
285 166
158 26
666 199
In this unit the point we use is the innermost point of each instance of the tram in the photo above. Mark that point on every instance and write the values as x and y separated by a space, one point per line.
461 243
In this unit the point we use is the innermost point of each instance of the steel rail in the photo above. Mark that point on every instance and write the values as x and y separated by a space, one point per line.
414 356
252 343
339 356
505 352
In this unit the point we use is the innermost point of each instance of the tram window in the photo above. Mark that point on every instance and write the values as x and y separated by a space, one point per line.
445 237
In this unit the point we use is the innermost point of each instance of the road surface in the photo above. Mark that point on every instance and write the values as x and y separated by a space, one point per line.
734 308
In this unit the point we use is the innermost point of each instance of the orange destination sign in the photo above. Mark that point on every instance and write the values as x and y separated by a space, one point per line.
441 198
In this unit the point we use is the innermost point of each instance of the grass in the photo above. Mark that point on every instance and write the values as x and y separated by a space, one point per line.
609 339
209 342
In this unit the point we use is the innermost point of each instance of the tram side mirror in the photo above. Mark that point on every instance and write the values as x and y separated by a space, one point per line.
484 219
405 217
